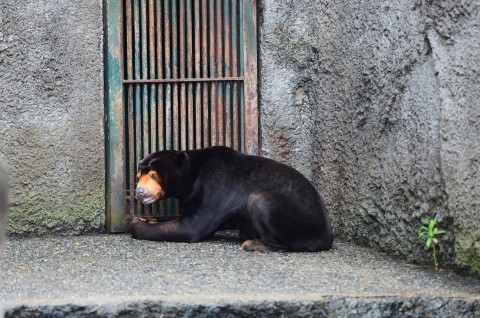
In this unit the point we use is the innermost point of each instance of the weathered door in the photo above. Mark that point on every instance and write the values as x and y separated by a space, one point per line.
180 74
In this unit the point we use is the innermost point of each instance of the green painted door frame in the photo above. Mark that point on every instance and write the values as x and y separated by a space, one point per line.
114 118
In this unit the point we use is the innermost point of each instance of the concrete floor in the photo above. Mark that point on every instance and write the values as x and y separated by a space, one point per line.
112 275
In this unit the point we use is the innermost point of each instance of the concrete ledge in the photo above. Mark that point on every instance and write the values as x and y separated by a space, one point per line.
113 275
279 306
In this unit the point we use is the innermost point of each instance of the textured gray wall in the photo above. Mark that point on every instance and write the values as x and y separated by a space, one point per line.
51 114
3 203
377 102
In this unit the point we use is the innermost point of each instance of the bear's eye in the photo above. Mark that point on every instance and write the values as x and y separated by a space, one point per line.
154 176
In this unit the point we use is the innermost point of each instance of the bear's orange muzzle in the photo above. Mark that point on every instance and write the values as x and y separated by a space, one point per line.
149 188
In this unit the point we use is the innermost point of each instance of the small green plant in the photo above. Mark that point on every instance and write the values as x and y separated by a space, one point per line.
428 232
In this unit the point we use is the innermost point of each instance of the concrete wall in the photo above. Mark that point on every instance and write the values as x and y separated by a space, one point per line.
51 114
3 202
378 103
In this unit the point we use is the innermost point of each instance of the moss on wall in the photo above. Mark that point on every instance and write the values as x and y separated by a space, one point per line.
468 252
80 217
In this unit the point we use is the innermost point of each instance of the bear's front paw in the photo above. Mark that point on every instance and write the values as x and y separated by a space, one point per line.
137 219
136 226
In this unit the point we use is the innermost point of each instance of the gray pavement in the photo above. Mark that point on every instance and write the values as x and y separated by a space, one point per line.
114 275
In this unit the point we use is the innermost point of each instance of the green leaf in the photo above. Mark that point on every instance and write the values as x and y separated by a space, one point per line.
439 232
422 232
429 241
431 224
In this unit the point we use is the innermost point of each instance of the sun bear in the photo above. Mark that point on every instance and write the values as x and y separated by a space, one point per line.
274 207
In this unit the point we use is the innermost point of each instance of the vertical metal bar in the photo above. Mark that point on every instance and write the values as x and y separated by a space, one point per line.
130 110
250 74
220 110
234 71
242 73
152 69
227 71
213 73
197 115
137 88
197 87
136 53
189 74
183 99
168 30
153 87
235 118
115 154
168 74
144 75
160 59
228 114
175 73
191 116
205 69
176 91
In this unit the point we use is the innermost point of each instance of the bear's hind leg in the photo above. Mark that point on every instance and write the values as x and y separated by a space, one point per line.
258 246
283 224
260 208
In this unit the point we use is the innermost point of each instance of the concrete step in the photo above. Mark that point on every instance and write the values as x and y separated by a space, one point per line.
114 275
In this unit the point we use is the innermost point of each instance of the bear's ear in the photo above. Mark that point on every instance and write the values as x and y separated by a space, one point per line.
180 157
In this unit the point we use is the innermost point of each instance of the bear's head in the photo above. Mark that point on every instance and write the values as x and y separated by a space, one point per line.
159 175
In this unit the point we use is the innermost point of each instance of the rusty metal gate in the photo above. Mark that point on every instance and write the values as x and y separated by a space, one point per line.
180 74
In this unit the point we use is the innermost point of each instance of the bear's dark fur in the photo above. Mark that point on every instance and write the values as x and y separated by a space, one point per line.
274 207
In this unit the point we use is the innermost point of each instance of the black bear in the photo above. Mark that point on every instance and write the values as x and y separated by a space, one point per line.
274 207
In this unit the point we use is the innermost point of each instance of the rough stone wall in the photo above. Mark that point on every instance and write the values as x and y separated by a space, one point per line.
51 114
3 202
377 102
